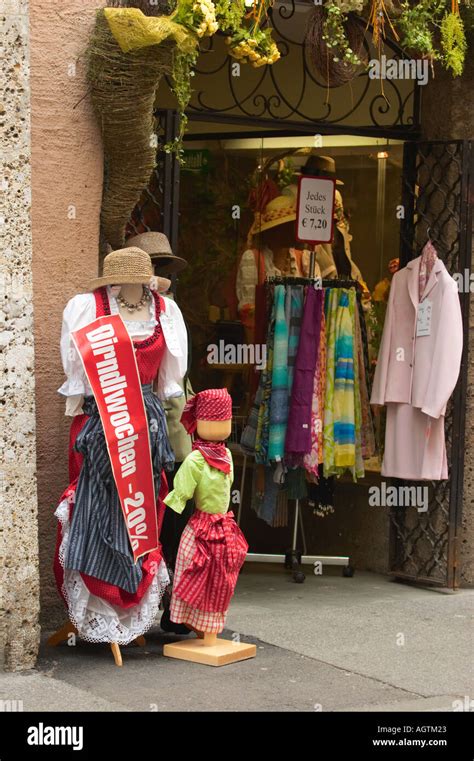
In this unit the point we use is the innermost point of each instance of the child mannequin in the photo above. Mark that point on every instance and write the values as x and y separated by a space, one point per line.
212 548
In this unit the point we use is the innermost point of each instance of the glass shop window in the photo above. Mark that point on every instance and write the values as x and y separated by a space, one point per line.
238 196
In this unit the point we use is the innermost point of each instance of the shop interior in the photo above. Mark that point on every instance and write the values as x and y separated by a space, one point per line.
222 183
250 133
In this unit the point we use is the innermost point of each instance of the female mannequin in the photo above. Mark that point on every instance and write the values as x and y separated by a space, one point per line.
111 595
212 548
270 253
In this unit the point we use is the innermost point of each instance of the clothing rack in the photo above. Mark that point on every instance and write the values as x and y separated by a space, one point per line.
294 558
325 282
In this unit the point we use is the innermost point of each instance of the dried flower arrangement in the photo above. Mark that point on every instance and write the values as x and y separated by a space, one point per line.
431 29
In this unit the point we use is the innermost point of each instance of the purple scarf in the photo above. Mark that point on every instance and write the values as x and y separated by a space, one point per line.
298 434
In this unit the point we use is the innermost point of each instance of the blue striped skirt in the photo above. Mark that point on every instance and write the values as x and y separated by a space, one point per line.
98 542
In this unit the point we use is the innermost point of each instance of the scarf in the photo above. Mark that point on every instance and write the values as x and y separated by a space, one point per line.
212 404
298 434
342 414
215 454
428 258
279 396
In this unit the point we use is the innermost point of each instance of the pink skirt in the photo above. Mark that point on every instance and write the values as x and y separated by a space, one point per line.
415 447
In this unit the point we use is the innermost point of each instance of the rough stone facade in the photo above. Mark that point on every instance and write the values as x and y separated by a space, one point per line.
19 577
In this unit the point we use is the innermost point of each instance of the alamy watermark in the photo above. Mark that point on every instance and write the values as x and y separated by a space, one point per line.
463 705
399 68
224 353
399 496
43 734
9 706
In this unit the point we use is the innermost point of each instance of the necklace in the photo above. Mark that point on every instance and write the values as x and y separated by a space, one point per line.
135 307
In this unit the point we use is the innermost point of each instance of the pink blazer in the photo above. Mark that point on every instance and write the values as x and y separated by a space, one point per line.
420 370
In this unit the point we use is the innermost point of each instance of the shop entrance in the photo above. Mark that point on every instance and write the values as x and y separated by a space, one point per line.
243 122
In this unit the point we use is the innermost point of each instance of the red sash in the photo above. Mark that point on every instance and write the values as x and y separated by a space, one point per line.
108 356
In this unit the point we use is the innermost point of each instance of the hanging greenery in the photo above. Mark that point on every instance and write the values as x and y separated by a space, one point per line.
453 43
417 25
248 41
335 33
335 44
432 29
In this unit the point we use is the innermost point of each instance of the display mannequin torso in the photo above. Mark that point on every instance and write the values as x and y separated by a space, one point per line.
131 293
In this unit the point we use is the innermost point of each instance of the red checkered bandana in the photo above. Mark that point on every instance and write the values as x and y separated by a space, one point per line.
212 404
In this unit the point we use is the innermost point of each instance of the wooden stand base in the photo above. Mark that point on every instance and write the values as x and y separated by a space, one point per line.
65 631
210 651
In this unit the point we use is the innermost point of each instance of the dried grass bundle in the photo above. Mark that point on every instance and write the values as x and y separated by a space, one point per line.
123 90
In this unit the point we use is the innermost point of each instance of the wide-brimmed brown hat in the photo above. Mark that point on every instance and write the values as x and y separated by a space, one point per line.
158 247
321 166
126 265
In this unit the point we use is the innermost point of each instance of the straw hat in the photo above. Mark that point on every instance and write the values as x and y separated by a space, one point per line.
280 210
158 247
126 265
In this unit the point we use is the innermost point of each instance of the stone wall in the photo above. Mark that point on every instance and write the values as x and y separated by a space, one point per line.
19 578
67 188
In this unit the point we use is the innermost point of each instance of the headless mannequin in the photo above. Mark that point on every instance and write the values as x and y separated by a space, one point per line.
132 293
208 649
212 430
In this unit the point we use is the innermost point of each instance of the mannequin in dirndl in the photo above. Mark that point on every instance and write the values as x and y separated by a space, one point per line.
111 588
212 549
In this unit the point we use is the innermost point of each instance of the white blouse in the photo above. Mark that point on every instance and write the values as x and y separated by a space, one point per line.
81 310
247 275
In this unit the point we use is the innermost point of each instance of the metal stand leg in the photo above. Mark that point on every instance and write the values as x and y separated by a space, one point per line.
242 487
295 524
303 535
293 556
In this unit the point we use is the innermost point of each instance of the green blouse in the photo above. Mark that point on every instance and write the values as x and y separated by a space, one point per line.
209 486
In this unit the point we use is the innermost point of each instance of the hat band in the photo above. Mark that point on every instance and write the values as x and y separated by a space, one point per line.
121 273
269 216
320 173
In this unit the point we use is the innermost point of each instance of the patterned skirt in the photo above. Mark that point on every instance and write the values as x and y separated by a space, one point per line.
211 553
98 540
109 598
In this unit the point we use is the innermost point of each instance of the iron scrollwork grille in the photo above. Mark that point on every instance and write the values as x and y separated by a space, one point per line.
436 187
299 103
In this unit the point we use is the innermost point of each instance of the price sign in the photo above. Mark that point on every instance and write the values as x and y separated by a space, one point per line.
314 221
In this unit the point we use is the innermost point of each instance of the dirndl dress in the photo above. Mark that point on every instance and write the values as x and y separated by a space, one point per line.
109 597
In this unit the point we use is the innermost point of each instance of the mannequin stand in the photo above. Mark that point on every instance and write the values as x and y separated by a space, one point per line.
65 631
210 650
